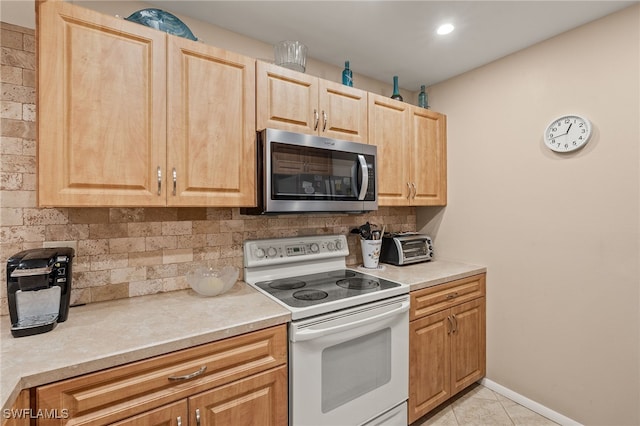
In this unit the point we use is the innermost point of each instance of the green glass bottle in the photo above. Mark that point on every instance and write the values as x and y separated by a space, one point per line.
396 91
422 98
347 75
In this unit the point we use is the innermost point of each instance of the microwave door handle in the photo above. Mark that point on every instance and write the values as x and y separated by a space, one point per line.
365 177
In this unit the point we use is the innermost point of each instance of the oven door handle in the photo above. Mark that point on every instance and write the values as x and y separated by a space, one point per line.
309 334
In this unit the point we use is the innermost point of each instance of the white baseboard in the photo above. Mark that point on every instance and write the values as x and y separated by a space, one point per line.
531 405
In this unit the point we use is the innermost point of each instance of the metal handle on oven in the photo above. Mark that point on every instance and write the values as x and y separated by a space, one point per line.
309 334
365 177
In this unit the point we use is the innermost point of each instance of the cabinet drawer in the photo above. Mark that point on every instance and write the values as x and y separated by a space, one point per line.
120 392
444 296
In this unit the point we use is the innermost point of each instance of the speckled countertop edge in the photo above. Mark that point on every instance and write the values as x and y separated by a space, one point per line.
107 334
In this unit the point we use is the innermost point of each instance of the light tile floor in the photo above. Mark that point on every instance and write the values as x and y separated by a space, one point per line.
480 406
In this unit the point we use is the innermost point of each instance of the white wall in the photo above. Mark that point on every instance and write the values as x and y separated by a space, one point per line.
558 233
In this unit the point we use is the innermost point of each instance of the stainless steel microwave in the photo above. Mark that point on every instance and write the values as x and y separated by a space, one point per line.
299 173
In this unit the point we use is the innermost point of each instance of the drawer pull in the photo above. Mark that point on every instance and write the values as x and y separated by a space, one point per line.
452 295
189 376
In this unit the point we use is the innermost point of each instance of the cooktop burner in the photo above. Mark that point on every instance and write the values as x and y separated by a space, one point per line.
323 287
358 283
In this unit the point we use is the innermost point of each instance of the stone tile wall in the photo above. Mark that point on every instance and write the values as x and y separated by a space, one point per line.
127 252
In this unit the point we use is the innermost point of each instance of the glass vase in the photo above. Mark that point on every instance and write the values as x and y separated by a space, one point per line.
396 91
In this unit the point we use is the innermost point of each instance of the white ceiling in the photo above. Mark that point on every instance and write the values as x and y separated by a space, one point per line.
386 38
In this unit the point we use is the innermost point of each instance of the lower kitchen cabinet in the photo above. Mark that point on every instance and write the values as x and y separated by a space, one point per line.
447 343
18 414
241 380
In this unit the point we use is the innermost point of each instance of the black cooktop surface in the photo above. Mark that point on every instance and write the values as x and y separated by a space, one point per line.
313 289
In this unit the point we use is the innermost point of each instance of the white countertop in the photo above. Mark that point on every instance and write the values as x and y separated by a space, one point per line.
426 274
107 334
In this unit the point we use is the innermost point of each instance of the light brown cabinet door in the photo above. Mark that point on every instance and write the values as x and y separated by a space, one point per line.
468 344
389 125
257 400
429 360
286 99
175 414
343 112
428 158
211 136
101 109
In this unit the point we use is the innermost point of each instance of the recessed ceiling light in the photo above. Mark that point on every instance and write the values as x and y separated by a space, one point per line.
445 29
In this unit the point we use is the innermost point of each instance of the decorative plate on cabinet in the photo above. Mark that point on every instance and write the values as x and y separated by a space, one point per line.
163 21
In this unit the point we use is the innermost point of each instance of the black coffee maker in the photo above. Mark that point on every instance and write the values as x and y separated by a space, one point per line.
38 289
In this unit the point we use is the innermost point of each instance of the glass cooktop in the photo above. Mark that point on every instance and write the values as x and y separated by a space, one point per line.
314 289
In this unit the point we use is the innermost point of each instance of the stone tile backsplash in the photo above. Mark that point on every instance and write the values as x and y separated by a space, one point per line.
127 252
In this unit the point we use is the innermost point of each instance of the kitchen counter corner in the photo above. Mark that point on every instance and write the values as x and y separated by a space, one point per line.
107 334
427 274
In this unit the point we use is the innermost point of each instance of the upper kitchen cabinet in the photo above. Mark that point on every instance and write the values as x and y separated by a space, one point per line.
428 165
211 126
411 145
101 109
297 102
131 116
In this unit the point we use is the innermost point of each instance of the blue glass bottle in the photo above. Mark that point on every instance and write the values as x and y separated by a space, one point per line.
422 98
347 75
396 91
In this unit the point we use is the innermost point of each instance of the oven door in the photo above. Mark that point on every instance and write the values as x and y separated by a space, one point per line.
350 366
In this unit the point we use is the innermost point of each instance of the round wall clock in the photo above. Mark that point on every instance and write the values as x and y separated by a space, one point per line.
567 133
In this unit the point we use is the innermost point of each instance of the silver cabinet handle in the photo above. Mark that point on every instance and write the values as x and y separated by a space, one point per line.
324 119
197 416
452 295
415 190
190 375
179 421
450 325
175 180
159 180
455 322
317 119
409 189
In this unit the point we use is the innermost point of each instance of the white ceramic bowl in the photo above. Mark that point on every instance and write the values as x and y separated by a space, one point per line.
212 282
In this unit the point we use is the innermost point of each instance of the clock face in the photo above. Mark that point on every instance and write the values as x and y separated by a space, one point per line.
567 133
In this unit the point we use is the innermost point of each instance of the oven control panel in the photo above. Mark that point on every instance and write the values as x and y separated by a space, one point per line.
285 250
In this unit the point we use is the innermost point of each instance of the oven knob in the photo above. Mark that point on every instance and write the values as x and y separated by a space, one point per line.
331 246
315 248
271 252
339 244
259 253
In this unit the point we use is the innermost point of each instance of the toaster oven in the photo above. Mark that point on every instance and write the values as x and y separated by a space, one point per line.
406 248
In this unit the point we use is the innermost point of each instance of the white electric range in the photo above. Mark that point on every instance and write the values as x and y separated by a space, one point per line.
349 335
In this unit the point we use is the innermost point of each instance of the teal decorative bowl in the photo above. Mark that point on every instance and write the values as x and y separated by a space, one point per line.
163 21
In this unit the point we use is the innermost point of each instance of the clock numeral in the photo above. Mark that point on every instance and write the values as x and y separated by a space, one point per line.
567 121
581 125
